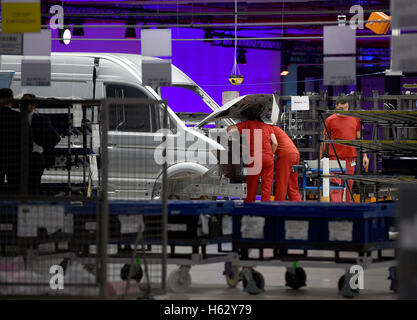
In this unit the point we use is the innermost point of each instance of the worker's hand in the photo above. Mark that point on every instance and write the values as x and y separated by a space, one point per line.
365 162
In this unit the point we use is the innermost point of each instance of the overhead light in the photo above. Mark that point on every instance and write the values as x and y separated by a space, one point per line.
208 34
78 31
394 73
235 79
285 72
65 36
130 32
341 20
241 57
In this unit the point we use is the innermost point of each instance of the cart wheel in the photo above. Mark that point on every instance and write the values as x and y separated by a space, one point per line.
179 281
258 285
295 278
137 272
345 290
232 275
393 276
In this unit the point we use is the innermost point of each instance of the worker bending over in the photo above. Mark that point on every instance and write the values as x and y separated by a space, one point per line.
344 128
262 155
286 181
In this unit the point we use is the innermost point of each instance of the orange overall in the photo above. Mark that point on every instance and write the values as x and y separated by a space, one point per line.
286 181
344 128
265 157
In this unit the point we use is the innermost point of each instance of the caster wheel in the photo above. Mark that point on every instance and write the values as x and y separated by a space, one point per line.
259 283
393 276
232 275
179 281
295 280
137 272
345 290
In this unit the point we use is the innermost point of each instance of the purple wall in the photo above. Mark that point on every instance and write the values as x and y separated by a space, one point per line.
209 66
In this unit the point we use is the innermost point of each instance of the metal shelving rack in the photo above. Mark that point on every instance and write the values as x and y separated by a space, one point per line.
394 135
394 121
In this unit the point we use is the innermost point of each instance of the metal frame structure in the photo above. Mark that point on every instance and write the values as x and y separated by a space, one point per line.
383 114
34 200
101 217
303 252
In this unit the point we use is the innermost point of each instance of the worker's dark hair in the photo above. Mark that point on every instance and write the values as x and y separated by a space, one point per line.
341 100
30 95
6 93
253 113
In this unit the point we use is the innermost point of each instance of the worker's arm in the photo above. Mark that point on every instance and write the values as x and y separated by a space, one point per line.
365 159
232 128
274 143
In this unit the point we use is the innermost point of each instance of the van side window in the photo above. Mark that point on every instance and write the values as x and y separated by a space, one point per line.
129 117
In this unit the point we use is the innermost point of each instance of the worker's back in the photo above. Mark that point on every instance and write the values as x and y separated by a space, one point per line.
255 151
285 144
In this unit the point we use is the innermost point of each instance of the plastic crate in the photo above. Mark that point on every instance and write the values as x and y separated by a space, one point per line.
187 214
326 222
41 234
183 216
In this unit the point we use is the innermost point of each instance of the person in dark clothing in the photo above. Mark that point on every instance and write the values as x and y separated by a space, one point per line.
10 145
45 138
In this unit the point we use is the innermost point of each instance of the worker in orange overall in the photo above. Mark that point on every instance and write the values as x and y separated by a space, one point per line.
287 155
344 128
261 154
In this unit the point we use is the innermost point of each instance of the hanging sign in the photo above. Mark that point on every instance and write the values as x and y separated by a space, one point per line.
36 73
299 103
11 43
20 16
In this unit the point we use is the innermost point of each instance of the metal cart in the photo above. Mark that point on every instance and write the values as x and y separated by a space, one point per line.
359 228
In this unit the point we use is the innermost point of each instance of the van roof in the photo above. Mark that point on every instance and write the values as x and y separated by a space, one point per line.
129 66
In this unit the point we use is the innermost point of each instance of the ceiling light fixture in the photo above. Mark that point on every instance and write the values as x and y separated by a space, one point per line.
208 34
130 32
235 78
78 31
65 36
284 71
241 56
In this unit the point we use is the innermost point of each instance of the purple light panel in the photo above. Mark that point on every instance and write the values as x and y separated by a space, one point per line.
209 66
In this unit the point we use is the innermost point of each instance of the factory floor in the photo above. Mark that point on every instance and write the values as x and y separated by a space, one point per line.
208 282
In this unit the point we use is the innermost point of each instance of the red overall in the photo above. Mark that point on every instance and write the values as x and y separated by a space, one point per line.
344 128
266 158
286 181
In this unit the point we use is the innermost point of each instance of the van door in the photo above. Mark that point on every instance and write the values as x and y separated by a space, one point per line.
132 143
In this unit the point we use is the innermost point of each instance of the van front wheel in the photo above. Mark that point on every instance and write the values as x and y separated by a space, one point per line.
179 177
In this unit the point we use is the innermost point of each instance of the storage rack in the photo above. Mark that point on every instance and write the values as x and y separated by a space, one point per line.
72 156
395 123
392 117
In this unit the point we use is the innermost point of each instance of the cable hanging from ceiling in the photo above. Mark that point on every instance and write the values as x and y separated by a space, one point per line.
235 78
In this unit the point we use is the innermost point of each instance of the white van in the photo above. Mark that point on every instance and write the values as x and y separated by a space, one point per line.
133 172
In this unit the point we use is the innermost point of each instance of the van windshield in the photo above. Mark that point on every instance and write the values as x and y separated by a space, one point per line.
188 98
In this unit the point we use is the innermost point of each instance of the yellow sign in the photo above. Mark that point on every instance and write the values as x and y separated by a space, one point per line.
410 86
21 16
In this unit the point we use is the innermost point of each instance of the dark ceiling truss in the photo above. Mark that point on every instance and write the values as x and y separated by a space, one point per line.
272 18
197 10
250 44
